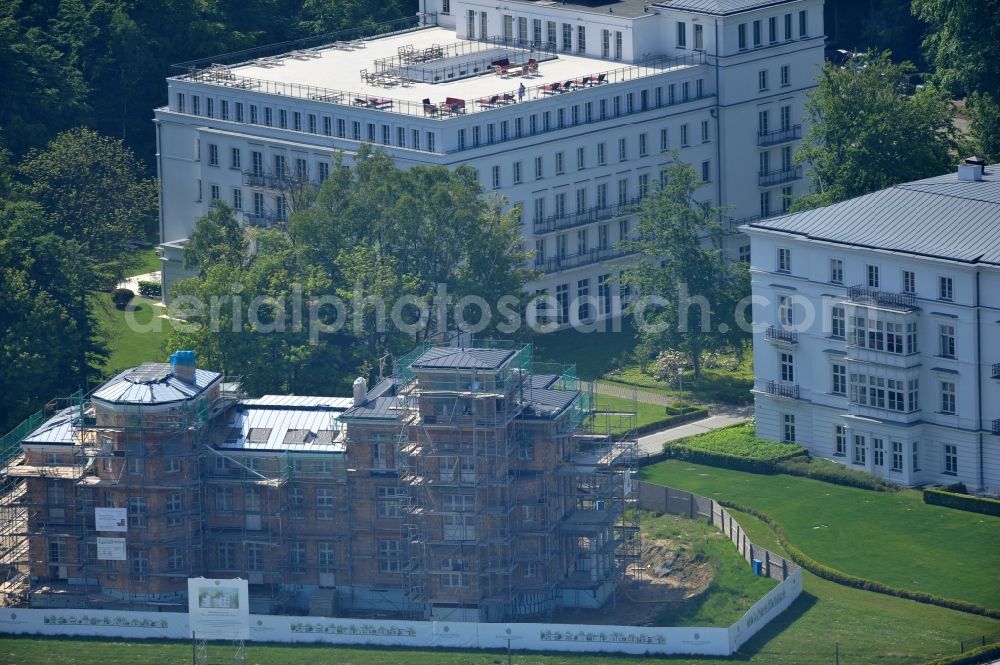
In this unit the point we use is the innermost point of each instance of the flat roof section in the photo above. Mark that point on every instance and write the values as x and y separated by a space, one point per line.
718 7
400 70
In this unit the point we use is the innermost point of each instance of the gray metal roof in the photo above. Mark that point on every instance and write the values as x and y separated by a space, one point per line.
153 383
718 7
626 8
941 217
299 402
546 403
380 408
292 429
446 357
541 380
56 430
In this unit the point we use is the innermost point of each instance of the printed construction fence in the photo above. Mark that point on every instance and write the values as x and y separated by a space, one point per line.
714 641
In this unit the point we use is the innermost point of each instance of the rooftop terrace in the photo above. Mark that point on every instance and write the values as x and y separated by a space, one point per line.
425 72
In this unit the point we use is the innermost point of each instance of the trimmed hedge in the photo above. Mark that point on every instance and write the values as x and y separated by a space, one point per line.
846 579
973 657
149 289
937 496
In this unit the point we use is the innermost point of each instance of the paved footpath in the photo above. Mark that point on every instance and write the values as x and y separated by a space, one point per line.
652 444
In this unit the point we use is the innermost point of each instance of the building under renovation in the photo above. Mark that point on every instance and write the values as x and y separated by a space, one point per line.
469 485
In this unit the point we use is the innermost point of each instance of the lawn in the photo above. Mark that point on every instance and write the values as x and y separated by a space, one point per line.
645 413
143 261
891 537
130 347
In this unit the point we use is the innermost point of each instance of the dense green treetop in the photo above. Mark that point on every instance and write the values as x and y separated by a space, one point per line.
868 132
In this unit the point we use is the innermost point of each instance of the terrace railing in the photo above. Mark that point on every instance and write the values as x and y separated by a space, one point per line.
781 389
996 371
781 335
224 76
570 261
595 214
996 426
384 29
770 178
792 133
864 294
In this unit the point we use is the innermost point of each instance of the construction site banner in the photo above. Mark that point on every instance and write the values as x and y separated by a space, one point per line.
219 609
110 549
111 519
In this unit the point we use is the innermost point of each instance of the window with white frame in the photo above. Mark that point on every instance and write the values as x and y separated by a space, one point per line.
946 340
786 365
788 432
909 281
839 379
762 80
878 452
784 259
389 556
860 449
785 76
839 440
838 322
948 397
946 288
897 456
950 459
873 276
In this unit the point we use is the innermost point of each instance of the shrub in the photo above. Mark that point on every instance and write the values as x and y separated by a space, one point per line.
846 579
149 289
937 496
121 298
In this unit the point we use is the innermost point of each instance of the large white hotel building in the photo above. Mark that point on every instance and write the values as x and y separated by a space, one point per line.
614 86
879 330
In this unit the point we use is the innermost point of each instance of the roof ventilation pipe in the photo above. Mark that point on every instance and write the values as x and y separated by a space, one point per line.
360 391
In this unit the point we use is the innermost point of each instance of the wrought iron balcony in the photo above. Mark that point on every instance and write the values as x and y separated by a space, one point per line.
781 389
275 181
792 133
996 370
867 295
570 261
781 335
595 214
996 426
770 178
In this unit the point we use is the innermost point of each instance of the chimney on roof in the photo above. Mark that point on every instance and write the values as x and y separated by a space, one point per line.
182 365
360 391
971 170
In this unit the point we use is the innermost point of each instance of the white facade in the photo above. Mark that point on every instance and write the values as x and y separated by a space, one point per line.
577 162
884 357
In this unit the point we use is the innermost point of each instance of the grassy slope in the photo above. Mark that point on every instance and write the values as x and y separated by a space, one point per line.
594 354
128 347
645 413
733 590
893 538
144 261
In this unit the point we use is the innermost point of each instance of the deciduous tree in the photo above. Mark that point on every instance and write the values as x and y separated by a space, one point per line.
868 132
687 291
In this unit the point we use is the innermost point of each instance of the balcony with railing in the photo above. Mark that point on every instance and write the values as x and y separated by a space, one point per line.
266 180
782 389
996 426
781 336
861 294
996 371
264 220
791 133
595 214
771 178
570 261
